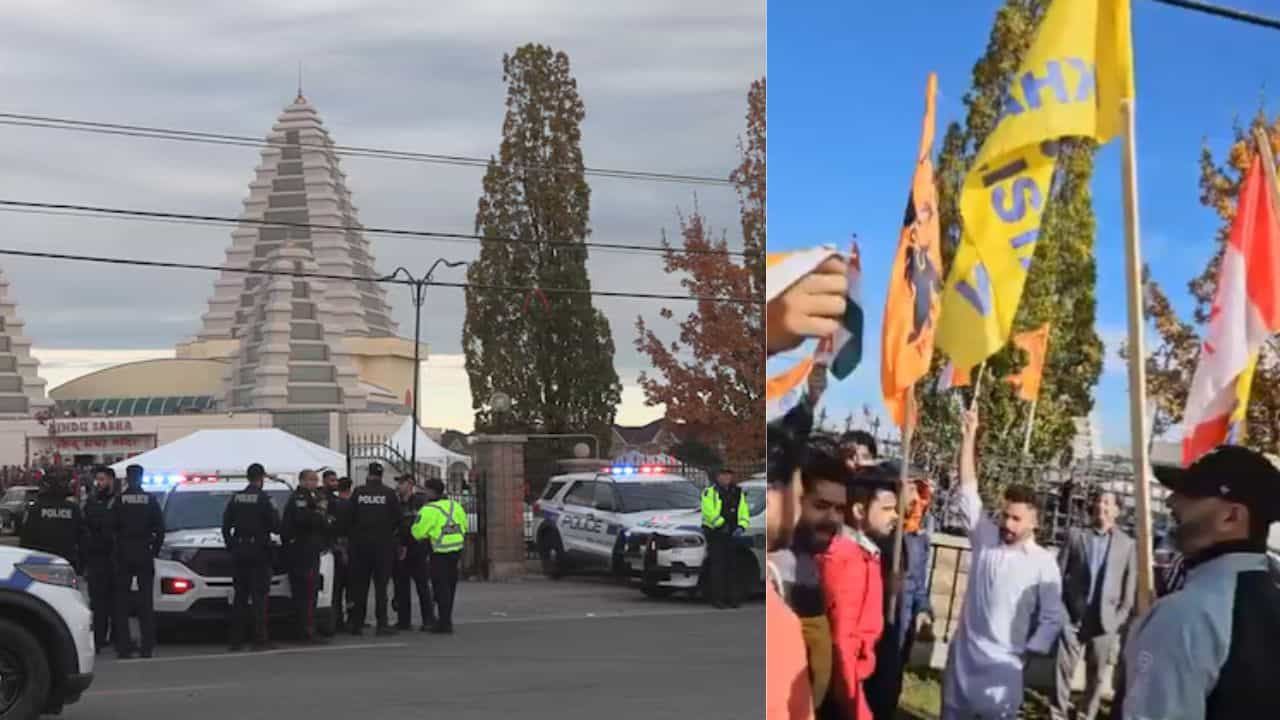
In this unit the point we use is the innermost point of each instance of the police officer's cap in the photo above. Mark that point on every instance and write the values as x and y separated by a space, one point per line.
375 469
133 472
1232 473
256 471
434 484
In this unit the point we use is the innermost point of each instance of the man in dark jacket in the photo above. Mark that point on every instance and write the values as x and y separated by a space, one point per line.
247 525
375 521
339 529
137 525
305 532
412 561
1208 651
98 551
54 524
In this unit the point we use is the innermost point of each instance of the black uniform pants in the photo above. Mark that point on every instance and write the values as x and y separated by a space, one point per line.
444 583
127 571
304 586
370 562
252 585
411 573
719 568
341 585
100 572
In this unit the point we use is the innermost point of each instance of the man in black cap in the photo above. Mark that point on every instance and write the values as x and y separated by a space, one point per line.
1208 651
138 528
304 531
375 521
411 569
247 524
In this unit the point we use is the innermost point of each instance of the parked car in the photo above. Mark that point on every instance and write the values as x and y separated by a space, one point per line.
13 507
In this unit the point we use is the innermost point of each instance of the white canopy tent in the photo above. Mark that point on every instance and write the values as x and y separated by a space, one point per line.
429 452
228 453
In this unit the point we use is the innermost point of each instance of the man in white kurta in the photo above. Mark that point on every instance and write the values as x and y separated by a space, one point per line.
1013 604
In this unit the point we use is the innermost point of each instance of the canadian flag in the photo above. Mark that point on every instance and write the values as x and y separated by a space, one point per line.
1246 310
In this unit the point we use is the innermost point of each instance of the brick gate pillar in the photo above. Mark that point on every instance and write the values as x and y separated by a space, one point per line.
500 458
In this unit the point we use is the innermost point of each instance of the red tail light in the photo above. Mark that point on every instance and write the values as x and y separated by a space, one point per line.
175 586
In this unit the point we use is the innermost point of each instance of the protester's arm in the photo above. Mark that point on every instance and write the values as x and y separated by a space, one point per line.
968 504
812 307
1052 615
1172 662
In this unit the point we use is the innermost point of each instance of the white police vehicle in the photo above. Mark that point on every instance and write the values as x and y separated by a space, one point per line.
194 569
667 553
46 635
580 518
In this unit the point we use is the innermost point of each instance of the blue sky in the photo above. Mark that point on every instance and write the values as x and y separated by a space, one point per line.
846 94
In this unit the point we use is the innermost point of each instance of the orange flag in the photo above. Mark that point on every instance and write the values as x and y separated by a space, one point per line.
1036 343
915 286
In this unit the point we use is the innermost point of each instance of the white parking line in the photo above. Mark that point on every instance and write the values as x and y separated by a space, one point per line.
255 653
152 691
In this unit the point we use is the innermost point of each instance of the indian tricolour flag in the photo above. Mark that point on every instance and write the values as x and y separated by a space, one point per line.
843 352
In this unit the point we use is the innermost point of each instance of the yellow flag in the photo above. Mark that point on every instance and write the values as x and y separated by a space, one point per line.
1236 424
1071 84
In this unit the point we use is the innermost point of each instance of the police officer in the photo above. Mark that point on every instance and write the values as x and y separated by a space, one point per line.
340 543
138 528
1208 651
98 551
54 523
375 520
411 565
443 521
247 524
305 531
725 516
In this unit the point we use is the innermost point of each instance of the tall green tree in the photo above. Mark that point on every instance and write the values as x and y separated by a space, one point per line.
1060 288
551 353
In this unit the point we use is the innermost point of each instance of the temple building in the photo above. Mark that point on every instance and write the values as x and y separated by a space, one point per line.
319 357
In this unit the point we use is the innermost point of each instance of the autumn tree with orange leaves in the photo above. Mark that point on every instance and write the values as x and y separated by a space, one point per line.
1172 362
712 378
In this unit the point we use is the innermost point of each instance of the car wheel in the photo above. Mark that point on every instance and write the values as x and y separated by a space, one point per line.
657 592
747 575
24 673
551 552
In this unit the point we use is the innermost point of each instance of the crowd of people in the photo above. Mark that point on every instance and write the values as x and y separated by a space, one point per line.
841 621
410 537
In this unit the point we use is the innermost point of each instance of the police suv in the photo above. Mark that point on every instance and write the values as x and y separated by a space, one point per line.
46 635
667 552
194 569
580 518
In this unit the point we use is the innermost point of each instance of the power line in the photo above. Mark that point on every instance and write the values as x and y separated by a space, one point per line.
398 232
106 260
1224 12
210 138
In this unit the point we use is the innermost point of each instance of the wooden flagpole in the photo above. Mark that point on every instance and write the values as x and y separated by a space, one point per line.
1137 364
904 477
977 385
1031 421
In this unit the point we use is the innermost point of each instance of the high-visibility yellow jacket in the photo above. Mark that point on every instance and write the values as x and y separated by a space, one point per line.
713 515
444 523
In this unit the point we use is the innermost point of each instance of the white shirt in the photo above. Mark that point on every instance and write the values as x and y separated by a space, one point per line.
1013 605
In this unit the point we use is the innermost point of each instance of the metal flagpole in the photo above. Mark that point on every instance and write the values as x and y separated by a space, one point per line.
1031 421
904 476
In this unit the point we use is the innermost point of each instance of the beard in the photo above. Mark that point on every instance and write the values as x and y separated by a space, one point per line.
1187 531
816 538
1010 538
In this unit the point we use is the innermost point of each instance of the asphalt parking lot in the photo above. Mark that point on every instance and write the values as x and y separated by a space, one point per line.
531 648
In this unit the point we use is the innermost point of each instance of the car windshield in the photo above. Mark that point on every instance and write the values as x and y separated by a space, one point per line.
198 510
755 500
674 495
14 495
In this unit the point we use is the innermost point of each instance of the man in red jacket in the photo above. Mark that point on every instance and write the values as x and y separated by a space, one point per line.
854 588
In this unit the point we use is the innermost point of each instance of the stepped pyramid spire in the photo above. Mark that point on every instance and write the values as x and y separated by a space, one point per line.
292 357
22 390
299 181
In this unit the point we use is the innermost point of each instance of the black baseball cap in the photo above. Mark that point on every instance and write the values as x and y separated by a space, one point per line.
256 471
375 469
1233 473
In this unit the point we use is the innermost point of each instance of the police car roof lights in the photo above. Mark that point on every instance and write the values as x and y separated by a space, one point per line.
634 470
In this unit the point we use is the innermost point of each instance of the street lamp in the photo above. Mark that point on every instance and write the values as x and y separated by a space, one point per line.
419 287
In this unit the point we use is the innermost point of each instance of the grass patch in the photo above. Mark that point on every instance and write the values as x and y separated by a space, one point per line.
922 699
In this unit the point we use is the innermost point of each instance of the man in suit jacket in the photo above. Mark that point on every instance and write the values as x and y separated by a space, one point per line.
1099 577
